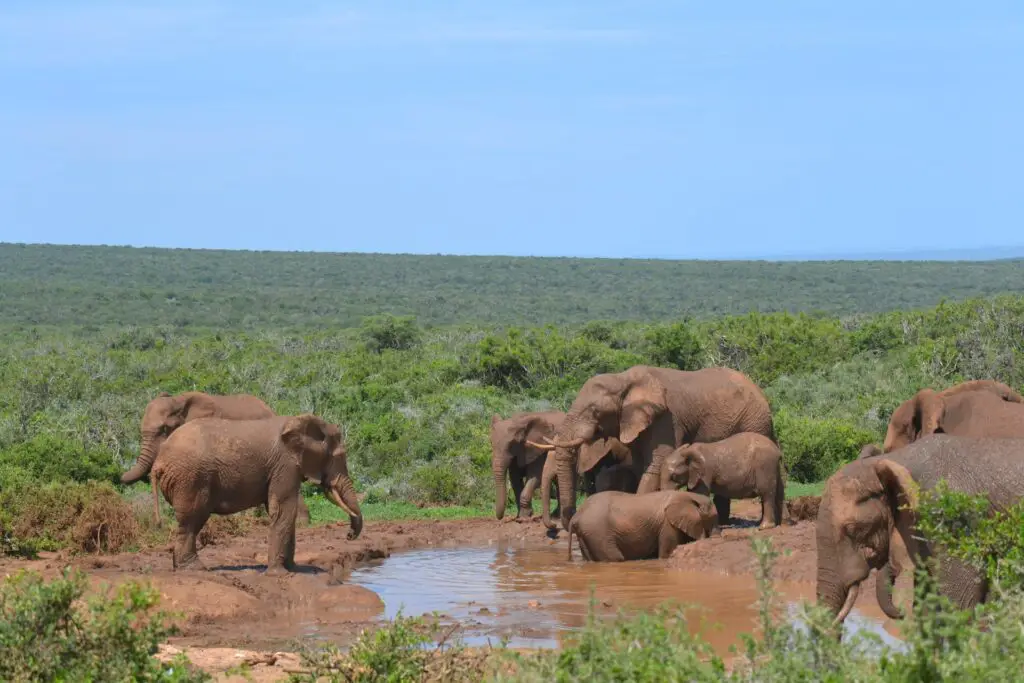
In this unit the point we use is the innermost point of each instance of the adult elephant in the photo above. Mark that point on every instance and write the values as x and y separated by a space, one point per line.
975 408
867 515
217 466
653 411
604 465
166 413
514 453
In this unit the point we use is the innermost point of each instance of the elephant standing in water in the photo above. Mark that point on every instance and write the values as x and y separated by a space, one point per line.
653 411
613 526
744 465
867 515
217 466
976 408
166 413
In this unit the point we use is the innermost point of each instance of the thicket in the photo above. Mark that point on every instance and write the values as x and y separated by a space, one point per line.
101 286
50 632
416 402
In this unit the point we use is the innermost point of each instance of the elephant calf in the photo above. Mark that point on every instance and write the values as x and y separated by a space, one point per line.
217 466
613 526
744 465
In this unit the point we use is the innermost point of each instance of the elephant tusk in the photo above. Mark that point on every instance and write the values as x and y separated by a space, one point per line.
541 446
575 443
851 597
336 499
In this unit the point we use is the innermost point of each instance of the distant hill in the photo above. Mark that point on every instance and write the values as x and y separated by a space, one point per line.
52 285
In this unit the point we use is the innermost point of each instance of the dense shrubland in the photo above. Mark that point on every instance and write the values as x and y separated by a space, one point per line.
416 402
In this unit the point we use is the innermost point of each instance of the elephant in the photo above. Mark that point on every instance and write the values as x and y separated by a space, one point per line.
605 465
653 411
744 465
512 453
166 413
869 450
217 466
975 408
866 519
614 526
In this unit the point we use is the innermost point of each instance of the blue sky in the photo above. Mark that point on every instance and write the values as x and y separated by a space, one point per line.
641 129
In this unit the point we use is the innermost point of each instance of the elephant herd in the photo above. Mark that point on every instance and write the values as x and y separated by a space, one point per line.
660 453
682 436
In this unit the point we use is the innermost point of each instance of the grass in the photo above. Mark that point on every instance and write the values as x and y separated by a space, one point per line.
322 511
795 489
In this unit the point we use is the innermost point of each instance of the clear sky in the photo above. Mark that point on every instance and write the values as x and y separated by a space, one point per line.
553 127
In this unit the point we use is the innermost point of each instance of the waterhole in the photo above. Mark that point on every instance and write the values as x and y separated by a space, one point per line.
531 595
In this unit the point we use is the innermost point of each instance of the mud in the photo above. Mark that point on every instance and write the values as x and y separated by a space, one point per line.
494 579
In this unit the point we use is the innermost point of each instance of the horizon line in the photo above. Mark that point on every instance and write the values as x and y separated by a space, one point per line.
1016 252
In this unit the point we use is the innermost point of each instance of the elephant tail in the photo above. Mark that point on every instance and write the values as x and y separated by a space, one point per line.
154 474
571 529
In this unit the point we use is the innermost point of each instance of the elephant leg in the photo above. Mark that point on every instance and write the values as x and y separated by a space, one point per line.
189 525
281 552
668 541
303 511
526 496
515 477
723 505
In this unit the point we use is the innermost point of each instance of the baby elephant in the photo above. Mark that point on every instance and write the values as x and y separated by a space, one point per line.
744 465
613 526
217 466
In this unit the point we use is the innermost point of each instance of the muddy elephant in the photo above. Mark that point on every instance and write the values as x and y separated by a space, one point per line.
613 526
166 413
869 450
604 465
975 408
866 517
513 455
744 465
653 411
217 466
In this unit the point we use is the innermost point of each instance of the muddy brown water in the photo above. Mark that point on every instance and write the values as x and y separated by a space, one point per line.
528 592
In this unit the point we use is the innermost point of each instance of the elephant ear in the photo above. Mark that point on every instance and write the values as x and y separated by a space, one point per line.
869 450
592 453
304 435
684 512
901 494
536 430
914 418
697 469
163 394
644 401
194 405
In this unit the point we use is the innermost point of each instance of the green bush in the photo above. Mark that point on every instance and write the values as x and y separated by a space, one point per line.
50 457
963 526
48 634
813 449
675 346
390 332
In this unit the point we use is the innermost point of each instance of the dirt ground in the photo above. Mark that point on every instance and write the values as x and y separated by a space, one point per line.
231 612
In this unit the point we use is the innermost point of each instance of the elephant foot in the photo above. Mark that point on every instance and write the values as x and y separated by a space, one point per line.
766 525
524 516
280 569
189 562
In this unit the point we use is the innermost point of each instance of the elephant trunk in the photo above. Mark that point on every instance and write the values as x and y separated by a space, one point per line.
343 494
832 593
147 454
566 489
500 467
546 477
883 590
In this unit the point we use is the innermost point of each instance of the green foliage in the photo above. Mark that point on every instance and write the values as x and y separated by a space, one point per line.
47 633
963 525
813 449
53 285
675 346
395 653
381 332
